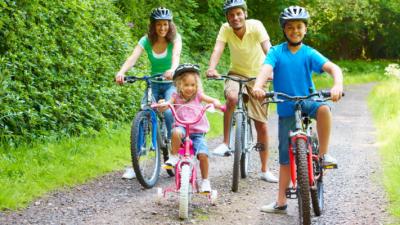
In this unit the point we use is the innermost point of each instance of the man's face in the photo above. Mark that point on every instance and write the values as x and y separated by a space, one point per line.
236 18
295 30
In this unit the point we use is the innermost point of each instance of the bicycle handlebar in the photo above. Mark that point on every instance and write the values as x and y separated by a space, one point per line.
240 80
179 120
133 79
323 95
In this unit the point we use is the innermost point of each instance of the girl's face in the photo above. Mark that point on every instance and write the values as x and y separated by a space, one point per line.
162 28
189 85
295 30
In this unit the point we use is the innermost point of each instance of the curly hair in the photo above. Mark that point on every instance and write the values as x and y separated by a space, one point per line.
152 35
178 82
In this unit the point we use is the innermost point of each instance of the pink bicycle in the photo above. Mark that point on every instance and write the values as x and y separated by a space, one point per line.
185 169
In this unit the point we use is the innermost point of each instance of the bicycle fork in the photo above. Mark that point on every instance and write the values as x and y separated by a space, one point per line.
291 192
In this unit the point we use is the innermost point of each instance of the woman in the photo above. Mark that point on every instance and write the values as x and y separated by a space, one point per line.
163 47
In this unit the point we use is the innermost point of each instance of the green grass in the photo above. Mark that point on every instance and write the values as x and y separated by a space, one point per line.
384 102
29 172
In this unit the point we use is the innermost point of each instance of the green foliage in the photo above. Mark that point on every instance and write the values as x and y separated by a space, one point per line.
386 111
58 60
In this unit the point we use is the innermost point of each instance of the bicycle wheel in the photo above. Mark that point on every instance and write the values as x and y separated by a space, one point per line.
184 192
238 151
247 142
165 145
317 190
303 189
145 151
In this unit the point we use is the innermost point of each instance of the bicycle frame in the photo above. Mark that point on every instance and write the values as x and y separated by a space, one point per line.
146 102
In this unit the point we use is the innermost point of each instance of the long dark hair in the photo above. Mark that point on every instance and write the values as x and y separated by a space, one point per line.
152 35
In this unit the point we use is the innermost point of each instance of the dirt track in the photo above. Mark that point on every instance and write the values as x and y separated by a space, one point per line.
353 193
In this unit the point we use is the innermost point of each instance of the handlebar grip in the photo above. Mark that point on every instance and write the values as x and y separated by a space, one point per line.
130 79
223 108
215 78
327 94
269 94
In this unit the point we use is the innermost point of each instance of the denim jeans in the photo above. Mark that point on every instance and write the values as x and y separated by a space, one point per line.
164 91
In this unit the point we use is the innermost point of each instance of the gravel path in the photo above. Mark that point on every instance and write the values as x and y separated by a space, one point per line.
353 193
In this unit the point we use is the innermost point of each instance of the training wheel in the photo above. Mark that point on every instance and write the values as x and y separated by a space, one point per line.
159 195
213 197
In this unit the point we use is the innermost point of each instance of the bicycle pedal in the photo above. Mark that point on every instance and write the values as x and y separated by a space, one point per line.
168 167
291 193
334 166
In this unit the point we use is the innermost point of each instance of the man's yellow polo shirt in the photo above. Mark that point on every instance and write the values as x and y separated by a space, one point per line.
246 55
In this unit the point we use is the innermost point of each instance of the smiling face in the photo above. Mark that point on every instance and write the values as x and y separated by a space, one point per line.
295 30
236 18
188 85
162 28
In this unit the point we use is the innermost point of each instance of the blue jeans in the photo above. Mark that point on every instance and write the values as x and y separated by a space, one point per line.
289 123
164 91
199 142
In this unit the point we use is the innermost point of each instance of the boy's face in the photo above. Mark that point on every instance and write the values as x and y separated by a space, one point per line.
236 18
295 30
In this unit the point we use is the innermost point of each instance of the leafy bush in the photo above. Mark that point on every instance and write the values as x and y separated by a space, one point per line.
58 60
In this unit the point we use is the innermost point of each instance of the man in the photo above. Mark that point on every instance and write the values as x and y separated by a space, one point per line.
248 43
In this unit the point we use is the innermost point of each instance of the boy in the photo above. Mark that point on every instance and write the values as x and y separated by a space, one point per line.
291 65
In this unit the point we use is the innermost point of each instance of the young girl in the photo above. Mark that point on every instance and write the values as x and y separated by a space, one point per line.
189 92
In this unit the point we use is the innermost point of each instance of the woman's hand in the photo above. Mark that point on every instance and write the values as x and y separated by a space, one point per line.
168 74
119 78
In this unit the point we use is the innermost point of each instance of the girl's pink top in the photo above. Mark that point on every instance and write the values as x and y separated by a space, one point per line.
188 111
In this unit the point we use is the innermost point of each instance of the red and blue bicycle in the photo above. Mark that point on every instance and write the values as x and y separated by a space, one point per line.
306 168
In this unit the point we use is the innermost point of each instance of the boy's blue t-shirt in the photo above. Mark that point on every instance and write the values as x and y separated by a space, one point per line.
293 72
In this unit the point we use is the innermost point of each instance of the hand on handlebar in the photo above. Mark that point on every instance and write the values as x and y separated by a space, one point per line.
336 92
162 105
119 78
212 73
258 93
168 74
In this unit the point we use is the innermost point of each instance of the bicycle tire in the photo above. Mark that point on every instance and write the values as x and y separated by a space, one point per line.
145 150
184 192
317 191
165 145
303 186
245 158
237 152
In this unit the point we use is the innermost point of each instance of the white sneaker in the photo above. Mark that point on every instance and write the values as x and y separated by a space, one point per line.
269 177
221 150
205 186
172 161
129 173
274 208
329 161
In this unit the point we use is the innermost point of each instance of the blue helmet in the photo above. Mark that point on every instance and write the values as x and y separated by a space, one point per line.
161 13
293 13
229 4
